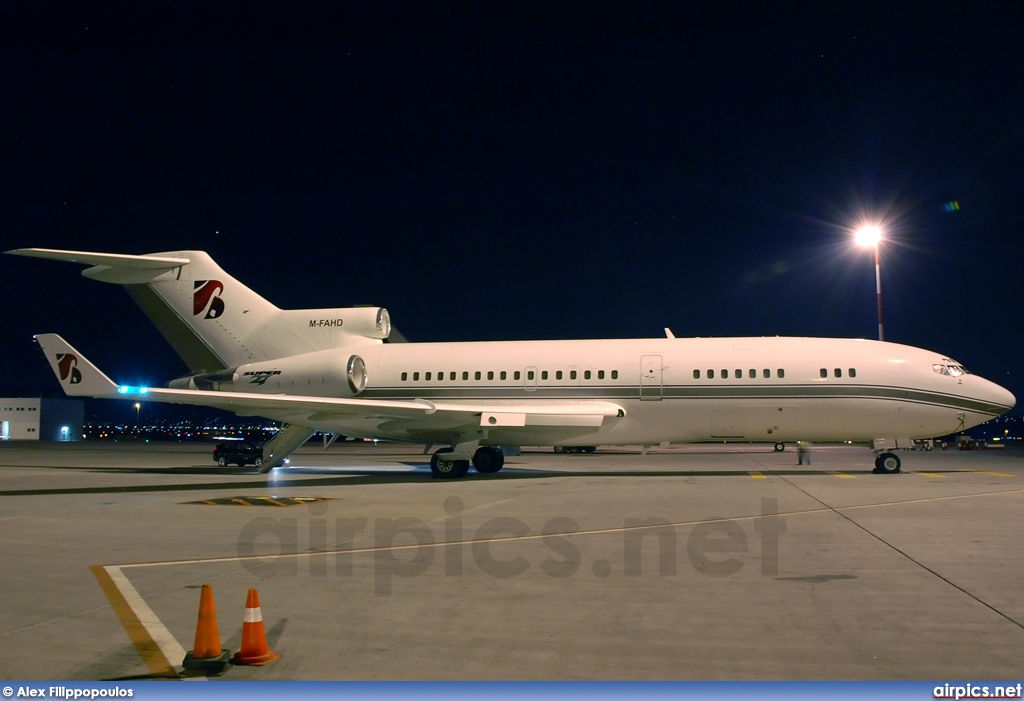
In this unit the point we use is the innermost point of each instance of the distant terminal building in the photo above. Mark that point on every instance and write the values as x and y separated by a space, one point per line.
41 419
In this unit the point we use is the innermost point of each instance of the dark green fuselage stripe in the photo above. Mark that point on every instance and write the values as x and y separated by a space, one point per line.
739 392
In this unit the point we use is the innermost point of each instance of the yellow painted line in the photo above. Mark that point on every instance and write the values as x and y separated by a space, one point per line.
758 475
843 475
932 474
994 474
149 650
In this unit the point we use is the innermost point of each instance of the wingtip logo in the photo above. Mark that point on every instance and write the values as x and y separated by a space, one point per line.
67 366
206 298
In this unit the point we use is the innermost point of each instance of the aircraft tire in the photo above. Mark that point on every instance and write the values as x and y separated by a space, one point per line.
488 460
441 468
779 447
560 449
887 464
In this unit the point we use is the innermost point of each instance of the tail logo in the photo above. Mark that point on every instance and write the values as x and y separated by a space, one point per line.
206 298
67 366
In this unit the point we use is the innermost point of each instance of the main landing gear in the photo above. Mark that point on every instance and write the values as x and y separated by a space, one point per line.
486 460
887 464
779 447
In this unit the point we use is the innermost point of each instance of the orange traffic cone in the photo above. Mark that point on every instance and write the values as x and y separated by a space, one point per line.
254 650
206 655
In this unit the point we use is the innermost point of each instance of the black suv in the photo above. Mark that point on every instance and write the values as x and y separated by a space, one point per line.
238 452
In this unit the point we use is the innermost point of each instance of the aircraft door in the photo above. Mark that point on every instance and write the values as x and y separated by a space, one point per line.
650 377
530 379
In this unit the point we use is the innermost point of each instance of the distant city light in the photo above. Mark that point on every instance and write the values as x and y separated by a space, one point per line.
953 206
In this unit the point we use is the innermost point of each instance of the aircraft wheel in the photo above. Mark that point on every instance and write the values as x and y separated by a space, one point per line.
446 468
887 464
488 460
779 447
560 449
223 462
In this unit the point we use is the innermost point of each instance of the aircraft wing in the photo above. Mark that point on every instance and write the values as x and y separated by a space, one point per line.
80 378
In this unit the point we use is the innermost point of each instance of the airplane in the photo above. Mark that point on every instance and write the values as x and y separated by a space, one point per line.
336 371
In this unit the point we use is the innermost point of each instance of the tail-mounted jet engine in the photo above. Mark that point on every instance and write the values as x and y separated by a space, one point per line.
337 372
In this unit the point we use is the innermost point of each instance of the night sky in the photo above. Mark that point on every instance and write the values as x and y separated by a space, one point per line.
492 170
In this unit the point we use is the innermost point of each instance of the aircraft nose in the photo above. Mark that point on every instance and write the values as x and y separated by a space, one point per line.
1001 396
1009 399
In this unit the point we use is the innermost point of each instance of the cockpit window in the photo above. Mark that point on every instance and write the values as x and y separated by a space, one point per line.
950 368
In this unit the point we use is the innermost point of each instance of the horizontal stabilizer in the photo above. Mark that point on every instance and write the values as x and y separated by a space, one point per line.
117 268
113 260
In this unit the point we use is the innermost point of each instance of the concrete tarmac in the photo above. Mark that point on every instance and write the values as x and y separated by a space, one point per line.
692 562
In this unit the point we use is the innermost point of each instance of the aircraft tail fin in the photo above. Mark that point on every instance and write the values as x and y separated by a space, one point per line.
212 320
77 376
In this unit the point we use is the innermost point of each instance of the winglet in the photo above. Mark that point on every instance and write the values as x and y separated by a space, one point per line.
78 377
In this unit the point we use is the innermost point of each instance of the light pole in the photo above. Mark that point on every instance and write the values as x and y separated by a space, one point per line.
137 407
872 236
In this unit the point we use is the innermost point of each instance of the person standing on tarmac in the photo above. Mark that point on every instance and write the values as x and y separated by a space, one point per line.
803 453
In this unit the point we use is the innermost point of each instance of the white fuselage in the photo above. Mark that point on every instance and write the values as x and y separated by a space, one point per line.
675 389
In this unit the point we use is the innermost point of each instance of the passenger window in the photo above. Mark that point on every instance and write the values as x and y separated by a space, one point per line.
586 375
476 375
839 372
696 374
615 374
752 374
572 374
781 373
725 374
415 376
504 374
465 375
738 375
543 374
711 374
558 375
405 376
427 376
600 374
766 373
853 372
529 375
823 372
518 375
451 376
490 374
